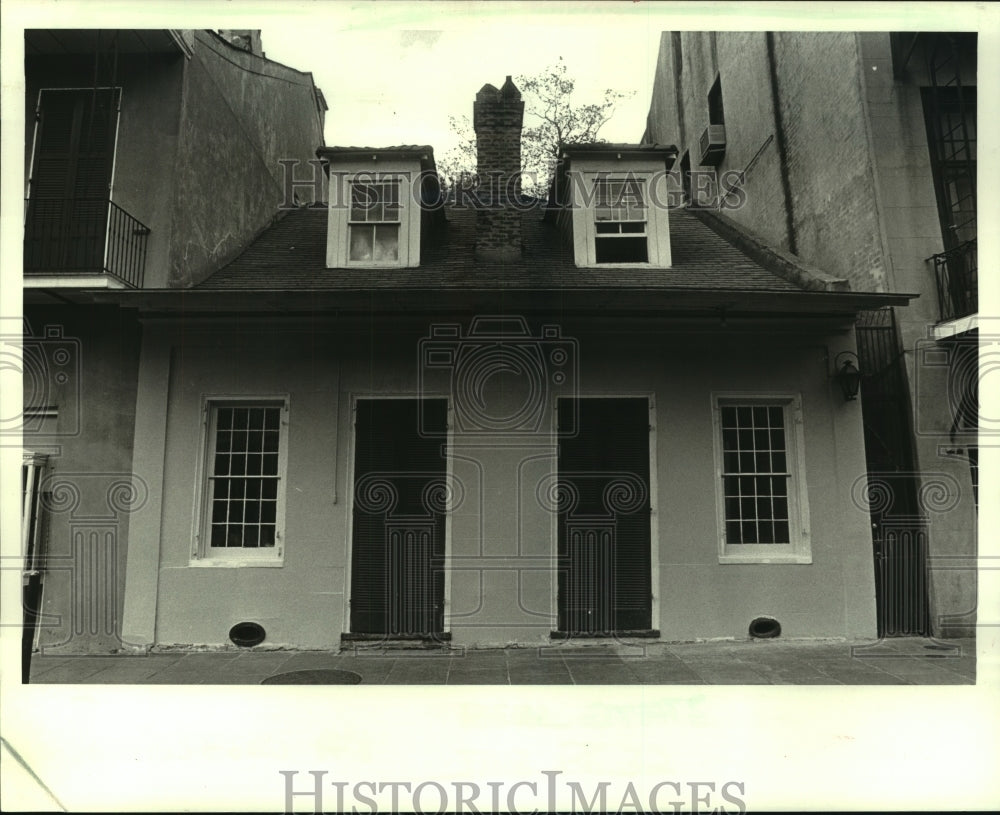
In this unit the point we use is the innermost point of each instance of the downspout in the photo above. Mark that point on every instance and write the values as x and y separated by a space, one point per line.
677 58
779 133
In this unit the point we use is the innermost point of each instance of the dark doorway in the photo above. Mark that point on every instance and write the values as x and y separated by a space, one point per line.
603 527
397 569
899 527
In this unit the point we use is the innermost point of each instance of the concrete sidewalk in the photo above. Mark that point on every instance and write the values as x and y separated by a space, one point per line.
900 661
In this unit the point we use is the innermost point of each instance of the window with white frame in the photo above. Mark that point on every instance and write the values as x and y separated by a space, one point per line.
374 216
763 513
243 503
620 221
619 216
374 221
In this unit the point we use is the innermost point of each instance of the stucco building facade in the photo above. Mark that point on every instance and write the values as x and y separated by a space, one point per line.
475 419
483 425
151 156
856 152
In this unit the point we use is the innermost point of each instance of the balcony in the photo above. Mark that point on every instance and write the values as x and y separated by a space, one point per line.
956 275
73 239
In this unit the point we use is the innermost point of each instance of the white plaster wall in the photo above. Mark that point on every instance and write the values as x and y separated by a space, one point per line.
501 543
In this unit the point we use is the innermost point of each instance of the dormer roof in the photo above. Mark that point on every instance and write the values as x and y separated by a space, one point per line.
423 153
619 150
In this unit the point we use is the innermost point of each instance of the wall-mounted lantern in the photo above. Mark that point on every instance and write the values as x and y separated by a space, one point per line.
847 374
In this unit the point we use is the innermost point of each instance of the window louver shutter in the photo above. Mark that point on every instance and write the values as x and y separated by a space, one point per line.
71 179
397 578
604 540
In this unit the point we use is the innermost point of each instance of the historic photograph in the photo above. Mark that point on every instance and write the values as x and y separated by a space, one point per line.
398 355
544 408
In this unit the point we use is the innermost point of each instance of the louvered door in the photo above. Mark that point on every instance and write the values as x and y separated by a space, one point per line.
70 183
397 567
604 533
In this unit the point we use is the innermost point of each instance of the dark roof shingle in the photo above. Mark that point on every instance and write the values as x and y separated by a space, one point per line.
291 254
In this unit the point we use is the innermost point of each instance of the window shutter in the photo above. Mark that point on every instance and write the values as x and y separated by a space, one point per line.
397 577
71 179
607 465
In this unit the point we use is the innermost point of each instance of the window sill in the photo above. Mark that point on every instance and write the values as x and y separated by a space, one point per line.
765 559
233 563
646 265
377 264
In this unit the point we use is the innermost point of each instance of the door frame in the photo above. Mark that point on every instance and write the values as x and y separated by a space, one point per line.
654 527
353 398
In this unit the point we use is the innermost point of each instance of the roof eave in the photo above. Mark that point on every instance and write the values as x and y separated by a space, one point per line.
607 299
620 152
352 155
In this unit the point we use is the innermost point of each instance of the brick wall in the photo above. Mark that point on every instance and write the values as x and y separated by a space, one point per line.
825 158
829 158
849 183
497 119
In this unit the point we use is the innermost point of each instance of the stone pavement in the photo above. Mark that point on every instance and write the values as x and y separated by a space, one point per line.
899 661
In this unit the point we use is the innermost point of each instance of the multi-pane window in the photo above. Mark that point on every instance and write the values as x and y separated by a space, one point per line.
245 473
374 221
763 511
620 221
755 474
951 132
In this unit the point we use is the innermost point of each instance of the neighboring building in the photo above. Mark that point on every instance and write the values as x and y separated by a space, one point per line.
857 153
394 417
151 157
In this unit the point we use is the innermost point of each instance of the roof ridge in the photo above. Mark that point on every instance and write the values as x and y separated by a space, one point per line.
785 265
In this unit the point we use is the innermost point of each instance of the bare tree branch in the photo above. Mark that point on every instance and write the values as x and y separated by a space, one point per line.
548 98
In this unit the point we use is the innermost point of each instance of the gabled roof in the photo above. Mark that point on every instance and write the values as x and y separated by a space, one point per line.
292 255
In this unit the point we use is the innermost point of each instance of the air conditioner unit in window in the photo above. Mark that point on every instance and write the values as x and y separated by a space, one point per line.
713 144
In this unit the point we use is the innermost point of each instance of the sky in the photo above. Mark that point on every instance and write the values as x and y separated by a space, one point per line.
395 75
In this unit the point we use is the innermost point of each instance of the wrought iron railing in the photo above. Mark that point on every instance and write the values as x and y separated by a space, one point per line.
84 236
956 275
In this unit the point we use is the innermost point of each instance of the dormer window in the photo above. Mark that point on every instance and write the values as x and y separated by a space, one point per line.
375 207
614 198
620 221
374 221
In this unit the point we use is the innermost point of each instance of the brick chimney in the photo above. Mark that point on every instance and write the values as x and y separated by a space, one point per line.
246 38
497 116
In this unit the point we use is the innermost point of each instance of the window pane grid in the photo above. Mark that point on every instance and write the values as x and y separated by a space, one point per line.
755 474
243 486
619 221
375 202
619 200
374 242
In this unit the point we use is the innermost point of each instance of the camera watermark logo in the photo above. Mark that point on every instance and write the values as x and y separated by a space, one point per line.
404 514
48 367
879 493
955 371
83 514
500 377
